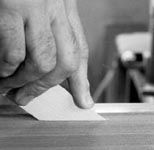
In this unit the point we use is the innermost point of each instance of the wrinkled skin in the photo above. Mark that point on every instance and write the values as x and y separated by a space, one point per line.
41 45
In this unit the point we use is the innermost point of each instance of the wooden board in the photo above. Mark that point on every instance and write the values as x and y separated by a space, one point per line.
120 131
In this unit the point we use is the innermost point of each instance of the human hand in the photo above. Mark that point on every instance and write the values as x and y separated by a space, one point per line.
41 45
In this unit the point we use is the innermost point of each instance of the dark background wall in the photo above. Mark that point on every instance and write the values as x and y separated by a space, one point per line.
96 16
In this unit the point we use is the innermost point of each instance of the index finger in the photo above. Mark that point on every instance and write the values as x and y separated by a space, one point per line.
12 42
79 83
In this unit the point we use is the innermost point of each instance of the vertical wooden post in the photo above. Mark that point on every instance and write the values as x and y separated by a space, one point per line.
150 64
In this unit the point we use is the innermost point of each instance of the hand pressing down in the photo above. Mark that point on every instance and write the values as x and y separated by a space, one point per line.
41 45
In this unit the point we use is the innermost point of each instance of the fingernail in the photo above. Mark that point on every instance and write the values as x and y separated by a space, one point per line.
90 101
24 100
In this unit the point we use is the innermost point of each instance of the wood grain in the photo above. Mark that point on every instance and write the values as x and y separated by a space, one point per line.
120 131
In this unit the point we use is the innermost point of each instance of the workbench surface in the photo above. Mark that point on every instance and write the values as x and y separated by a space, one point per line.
120 131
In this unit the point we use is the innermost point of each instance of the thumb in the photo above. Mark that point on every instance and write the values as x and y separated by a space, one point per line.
22 96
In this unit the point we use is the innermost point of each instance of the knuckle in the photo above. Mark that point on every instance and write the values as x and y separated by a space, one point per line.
13 58
42 64
70 62
46 66
4 74
70 67
45 63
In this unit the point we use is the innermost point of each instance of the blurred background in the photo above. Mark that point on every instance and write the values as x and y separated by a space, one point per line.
118 36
